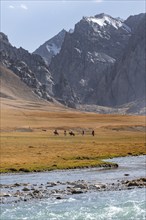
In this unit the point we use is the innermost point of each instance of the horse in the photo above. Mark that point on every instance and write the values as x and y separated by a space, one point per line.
56 132
72 133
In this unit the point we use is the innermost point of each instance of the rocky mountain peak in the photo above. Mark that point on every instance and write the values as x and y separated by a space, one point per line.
103 27
87 59
104 21
62 32
4 38
134 20
51 47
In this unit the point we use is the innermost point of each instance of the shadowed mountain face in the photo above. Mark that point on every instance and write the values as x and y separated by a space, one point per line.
31 68
126 82
83 70
129 74
133 20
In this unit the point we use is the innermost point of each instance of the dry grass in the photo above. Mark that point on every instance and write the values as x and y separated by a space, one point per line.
41 150
22 111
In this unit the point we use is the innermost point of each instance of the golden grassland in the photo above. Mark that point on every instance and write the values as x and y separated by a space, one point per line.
28 143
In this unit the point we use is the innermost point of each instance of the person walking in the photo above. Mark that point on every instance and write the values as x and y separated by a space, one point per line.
83 132
93 133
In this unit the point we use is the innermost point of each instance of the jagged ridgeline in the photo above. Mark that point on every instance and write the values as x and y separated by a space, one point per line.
31 68
51 47
100 62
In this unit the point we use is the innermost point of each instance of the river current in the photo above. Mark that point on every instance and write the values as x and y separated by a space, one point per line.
106 205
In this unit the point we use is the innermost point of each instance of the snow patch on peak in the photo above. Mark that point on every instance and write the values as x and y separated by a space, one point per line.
104 20
53 48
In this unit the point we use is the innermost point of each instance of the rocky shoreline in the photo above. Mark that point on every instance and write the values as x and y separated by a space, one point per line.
14 193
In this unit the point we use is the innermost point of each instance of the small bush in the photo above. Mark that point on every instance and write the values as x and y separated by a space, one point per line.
24 170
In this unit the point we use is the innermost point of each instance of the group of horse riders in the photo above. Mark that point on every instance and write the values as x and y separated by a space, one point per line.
71 133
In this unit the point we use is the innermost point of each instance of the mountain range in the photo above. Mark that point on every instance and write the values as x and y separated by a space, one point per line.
99 66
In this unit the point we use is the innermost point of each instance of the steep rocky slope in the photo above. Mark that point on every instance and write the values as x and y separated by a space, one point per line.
126 82
87 69
129 83
86 56
51 47
29 67
12 88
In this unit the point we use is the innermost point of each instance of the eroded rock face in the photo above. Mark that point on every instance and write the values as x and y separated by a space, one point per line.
101 62
133 21
129 80
29 67
126 81
87 55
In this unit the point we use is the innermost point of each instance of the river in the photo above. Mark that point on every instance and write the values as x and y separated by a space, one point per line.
92 205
